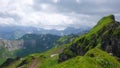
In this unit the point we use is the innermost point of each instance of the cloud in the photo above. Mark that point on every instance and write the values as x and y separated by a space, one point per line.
78 1
56 1
6 21
56 14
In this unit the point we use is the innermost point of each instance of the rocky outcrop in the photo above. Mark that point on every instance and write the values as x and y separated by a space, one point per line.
11 45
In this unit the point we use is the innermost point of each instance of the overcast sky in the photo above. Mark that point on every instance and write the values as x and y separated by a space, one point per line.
56 14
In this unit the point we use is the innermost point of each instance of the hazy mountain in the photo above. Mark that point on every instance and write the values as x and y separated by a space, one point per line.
15 32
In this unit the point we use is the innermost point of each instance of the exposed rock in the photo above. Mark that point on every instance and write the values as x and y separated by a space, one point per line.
63 57
12 45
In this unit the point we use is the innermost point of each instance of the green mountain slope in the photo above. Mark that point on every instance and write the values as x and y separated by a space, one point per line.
105 35
94 58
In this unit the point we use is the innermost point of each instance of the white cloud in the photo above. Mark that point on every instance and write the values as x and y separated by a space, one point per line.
7 21
47 20
47 7
55 14
56 1
43 18
78 1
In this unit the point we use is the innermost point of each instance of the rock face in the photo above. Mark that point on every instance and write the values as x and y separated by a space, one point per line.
12 45
105 35
111 40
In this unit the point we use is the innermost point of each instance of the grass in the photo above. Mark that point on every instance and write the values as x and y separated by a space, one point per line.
105 21
101 59
2 61
49 62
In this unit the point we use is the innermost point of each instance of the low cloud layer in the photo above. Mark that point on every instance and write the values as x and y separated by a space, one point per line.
56 14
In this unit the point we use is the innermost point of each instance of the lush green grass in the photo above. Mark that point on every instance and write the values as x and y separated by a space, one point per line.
94 58
103 58
2 61
26 61
104 22
49 62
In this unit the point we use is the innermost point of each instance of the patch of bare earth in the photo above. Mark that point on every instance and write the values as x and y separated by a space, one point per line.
34 63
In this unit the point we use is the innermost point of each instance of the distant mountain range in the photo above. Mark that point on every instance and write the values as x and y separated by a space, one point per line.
15 32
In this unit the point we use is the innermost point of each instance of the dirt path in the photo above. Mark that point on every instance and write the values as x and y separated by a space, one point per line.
34 63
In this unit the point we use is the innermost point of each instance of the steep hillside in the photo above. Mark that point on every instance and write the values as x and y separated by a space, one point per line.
105 35
94 58
65 39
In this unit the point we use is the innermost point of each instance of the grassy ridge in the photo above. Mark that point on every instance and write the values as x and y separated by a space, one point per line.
94 58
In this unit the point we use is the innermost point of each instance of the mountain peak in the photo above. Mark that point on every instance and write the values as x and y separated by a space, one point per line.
102 23
111 16
107 19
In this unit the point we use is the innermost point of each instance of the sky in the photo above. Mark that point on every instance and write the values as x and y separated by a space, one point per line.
56 14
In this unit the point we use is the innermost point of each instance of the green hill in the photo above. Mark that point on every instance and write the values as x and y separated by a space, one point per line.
94 58
105 35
